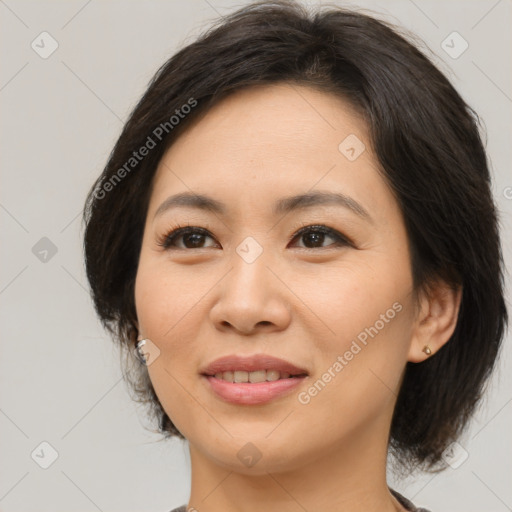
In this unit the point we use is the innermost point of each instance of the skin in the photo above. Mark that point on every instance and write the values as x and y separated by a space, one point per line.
300 300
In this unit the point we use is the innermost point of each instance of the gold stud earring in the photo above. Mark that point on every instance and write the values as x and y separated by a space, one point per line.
427 350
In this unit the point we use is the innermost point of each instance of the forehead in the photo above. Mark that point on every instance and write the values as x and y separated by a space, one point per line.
263 141
281 116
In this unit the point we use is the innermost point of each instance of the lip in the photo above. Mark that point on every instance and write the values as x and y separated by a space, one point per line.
251 364
245 393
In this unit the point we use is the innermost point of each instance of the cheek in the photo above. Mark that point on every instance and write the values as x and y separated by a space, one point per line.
350 296
151 293
163 304
366 310
170 304
164 297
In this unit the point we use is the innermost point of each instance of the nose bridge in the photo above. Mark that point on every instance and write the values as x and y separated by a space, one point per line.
249 274
250 294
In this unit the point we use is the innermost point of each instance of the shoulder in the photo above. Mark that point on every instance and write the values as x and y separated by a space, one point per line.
409 505
403 501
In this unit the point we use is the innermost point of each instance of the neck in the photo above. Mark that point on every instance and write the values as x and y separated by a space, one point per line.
349 478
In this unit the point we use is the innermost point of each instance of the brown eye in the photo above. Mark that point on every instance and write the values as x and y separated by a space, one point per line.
193 238
314 237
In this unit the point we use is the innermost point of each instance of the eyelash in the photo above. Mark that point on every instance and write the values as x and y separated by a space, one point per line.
168 239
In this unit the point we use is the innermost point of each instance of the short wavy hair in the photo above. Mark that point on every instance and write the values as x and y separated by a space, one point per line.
427 141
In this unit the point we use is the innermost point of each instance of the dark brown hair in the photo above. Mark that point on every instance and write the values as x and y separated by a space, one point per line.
426 139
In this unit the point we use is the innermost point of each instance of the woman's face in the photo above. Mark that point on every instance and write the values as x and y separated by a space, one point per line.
337 303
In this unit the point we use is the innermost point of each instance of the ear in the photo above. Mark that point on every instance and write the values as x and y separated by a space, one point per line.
436 319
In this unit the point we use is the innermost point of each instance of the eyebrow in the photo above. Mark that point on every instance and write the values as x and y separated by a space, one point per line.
281 206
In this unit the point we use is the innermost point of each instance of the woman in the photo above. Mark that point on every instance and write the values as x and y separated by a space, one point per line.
295 234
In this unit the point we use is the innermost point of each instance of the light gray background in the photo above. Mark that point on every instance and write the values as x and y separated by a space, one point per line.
60 380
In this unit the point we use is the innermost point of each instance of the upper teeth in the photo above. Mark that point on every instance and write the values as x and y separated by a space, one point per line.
257 376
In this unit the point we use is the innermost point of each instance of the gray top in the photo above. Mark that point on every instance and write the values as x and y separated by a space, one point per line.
403 501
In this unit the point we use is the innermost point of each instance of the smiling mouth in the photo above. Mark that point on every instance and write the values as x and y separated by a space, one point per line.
246 392
254 377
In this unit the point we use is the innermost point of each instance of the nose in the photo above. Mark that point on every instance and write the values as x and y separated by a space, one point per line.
251 298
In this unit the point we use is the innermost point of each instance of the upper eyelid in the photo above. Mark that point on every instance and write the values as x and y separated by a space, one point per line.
184 229
177 232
